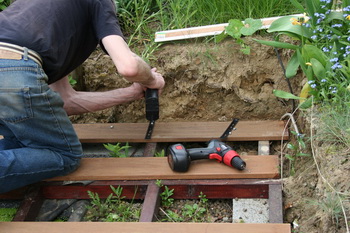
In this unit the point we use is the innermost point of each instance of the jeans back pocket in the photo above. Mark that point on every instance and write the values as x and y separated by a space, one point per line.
15 104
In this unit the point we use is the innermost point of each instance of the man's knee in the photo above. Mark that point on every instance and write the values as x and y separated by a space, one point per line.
71 164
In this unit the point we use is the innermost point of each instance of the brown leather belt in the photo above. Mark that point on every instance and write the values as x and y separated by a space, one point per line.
15 52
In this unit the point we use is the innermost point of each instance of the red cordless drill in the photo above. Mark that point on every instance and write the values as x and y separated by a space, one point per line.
179 158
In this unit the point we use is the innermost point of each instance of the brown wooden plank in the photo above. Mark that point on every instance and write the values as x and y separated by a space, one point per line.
180 131
140 227
150 149
151 204
275 203
153 168
30 206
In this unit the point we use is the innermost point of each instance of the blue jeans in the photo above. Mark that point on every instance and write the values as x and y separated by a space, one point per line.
39 139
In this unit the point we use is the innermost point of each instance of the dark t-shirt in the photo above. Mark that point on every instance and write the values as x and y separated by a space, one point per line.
63 32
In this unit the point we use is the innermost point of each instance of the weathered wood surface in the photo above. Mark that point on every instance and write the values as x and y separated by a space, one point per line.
140 227
153 168
180 131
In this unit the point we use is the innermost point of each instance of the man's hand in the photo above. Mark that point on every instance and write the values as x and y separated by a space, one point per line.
137 91
158 81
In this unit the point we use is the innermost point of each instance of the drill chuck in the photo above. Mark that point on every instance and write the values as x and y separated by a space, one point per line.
238 163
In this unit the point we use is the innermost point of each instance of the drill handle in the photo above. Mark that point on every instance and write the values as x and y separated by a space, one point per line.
200 153
152 104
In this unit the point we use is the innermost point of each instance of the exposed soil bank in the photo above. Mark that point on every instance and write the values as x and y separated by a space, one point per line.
204 81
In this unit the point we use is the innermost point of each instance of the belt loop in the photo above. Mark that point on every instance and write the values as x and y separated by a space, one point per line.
25 54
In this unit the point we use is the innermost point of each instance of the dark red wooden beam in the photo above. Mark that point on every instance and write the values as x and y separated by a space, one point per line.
189 189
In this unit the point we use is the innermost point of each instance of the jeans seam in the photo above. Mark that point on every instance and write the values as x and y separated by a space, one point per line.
31 173
57 124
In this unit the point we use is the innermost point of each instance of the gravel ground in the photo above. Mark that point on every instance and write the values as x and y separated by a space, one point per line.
218 211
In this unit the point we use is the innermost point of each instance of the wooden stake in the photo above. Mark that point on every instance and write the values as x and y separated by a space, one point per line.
202 31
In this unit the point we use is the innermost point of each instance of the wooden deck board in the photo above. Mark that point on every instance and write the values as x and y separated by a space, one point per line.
152 168
140 227
180 131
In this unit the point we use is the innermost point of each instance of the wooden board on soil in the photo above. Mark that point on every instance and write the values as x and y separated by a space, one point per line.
153 168
181 131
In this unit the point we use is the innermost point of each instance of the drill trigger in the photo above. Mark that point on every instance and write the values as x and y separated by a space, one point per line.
215 156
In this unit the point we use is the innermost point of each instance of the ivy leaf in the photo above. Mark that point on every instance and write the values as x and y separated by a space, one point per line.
251 26
234 28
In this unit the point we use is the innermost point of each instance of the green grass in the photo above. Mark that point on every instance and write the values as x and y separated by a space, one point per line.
4 4
175 14
140 19
335 120
7 214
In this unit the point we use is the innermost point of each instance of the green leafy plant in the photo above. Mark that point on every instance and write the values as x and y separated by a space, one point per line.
167 200
61 219
117 150
7 214
160 154
322 51
4 4
72 81
195 212
296 150
236 29
113 209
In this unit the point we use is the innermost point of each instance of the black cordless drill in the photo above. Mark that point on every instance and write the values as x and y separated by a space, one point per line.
179 158
152 110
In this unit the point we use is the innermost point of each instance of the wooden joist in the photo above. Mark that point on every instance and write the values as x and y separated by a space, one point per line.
140 227
180 131
153 168
183 189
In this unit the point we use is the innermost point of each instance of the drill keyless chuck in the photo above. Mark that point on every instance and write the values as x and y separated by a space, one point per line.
238 163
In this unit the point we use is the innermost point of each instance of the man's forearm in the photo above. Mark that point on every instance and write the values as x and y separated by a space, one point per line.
129 65
83 102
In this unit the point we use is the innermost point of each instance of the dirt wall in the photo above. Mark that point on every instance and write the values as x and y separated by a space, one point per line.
204 82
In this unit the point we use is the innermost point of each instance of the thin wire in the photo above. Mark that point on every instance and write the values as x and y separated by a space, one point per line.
284 73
